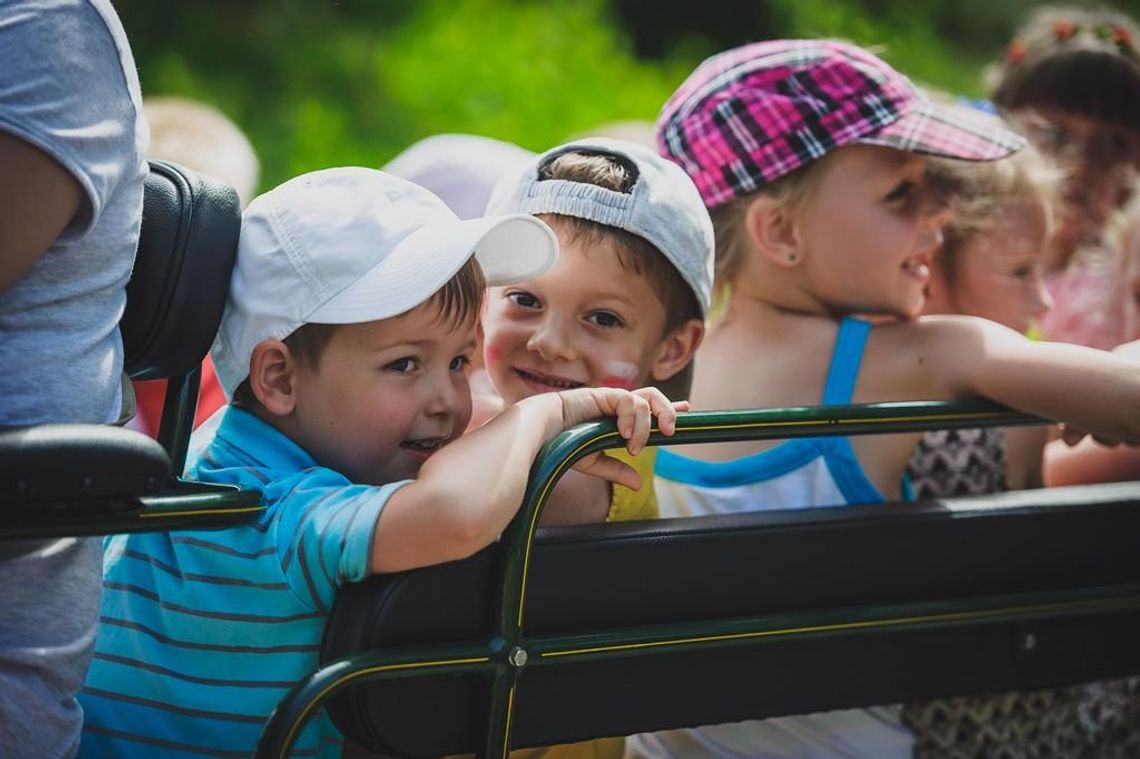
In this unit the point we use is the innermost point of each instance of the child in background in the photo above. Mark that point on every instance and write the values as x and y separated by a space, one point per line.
1070 81
461 169
1088 461
623 307
810 155
344 345
991 264
203 139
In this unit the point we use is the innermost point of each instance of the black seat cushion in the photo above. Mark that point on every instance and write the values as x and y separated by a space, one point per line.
784 564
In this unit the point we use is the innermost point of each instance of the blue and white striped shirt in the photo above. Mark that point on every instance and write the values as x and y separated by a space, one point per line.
203 632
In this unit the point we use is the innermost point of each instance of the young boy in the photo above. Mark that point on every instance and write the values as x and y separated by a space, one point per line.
344 346
623 307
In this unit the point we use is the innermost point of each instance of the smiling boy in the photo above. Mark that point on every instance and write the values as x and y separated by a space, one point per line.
344 345
624 306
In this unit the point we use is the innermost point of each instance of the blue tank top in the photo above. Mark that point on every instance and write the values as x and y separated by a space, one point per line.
799 473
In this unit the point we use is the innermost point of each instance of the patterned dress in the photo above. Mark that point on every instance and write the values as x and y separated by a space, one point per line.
1086 721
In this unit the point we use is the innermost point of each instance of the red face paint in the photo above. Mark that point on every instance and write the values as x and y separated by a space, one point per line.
620 374
492 354
618 382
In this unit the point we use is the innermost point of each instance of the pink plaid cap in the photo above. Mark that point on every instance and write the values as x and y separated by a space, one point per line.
750 115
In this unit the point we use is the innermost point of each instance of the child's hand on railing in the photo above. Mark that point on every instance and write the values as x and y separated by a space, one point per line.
633 410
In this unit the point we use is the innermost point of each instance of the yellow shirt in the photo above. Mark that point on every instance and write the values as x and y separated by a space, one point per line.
628 505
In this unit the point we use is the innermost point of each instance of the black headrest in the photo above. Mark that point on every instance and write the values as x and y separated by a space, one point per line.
181 278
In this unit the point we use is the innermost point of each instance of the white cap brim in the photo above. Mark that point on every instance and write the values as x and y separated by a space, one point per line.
510 248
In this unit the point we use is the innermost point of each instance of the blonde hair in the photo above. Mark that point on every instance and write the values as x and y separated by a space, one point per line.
202 138
731 239
979 194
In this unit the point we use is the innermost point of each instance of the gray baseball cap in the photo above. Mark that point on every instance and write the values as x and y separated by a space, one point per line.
661 206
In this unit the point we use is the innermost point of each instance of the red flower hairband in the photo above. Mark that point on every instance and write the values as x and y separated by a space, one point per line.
1063 31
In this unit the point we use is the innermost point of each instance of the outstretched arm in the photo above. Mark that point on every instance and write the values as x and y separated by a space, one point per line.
1084 388
467 493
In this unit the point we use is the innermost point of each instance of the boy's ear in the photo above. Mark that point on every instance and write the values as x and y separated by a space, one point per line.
677 349
771 226
271 368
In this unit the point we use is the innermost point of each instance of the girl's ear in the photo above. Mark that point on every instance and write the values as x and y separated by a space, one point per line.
271 369
677 349
770 224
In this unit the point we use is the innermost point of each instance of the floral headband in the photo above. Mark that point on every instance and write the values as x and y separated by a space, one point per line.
1063 31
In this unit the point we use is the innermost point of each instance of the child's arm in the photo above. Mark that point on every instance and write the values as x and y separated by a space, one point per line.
578 499
486 404
467 492
1089 461
1085 388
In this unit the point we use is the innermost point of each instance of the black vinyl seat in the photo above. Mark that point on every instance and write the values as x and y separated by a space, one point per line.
559 635
78 479
834 608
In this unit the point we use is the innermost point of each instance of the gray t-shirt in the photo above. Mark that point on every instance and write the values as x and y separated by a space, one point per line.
68 85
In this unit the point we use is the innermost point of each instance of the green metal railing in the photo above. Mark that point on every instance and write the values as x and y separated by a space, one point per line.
507 652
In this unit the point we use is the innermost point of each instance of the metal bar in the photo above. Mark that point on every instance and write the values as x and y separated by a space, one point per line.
664 639
563 451
502 654
178 410
309 695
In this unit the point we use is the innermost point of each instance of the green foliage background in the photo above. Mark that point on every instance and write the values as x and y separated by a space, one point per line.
317 84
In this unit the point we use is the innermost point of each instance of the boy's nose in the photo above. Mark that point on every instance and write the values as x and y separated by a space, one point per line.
551 342
442 398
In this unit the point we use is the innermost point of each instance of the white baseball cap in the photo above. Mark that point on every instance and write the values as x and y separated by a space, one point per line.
353 245
662 205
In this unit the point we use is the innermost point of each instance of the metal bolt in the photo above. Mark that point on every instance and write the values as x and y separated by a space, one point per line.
1028 641
517 657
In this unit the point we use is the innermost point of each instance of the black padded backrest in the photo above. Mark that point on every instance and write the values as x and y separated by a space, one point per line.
782 564
181 278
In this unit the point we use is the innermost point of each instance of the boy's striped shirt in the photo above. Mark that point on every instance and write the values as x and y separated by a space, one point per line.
203 632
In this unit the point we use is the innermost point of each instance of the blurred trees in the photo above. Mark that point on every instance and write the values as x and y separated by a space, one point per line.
317 84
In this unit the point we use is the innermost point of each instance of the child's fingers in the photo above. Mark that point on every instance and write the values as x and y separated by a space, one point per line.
634 421
1072 435
660 407
609 468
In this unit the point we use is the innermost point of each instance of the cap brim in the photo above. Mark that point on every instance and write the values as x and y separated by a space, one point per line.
952 133
509 248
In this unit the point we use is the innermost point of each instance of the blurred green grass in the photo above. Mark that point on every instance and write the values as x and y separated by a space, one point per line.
354 82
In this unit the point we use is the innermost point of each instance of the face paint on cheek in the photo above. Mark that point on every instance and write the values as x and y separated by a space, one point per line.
492 354
620 374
